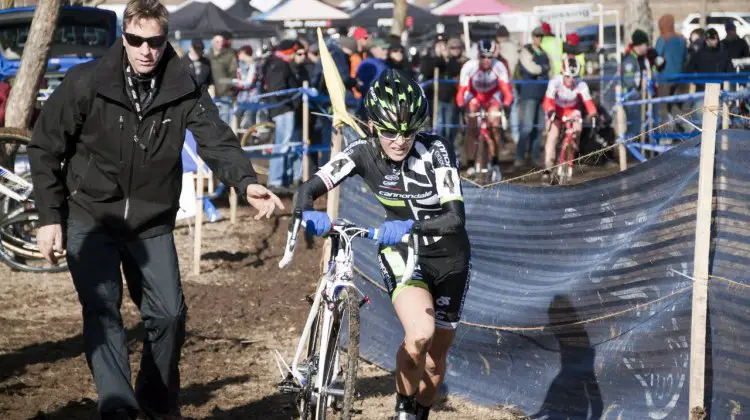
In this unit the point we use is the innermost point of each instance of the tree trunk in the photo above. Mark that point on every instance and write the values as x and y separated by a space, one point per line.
638 16
399 17
33 64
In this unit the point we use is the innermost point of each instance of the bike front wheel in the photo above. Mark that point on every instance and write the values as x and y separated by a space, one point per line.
340 371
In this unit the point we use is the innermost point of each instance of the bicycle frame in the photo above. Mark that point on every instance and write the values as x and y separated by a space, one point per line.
567 149
338 276
484 137
25 186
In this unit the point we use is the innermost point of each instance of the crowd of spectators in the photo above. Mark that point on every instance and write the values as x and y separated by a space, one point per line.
238 76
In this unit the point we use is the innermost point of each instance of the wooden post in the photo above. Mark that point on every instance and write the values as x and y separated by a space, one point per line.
435 87
233 205
305 132
702 248
332 204
198 219
621 126
725 109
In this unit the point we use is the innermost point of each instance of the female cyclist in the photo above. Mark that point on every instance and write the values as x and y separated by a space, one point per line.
413 174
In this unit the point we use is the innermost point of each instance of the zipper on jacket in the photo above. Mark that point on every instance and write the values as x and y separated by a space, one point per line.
122 128
132 164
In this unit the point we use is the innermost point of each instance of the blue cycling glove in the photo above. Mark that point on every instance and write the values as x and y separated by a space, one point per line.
316 222
391 231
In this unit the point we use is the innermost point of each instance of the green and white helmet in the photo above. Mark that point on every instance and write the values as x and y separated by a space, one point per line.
396 103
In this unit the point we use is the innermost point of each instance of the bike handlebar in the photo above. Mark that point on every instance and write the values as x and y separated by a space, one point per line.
340 227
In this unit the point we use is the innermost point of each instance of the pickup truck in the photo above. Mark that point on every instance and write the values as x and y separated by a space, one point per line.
82 34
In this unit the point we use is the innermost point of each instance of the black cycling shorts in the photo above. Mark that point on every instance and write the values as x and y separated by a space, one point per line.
445 275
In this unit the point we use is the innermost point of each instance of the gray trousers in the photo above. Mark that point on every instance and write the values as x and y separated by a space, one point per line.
153 279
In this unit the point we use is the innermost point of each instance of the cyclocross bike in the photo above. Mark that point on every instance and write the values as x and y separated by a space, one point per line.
568 148
19 219
322 378
486 172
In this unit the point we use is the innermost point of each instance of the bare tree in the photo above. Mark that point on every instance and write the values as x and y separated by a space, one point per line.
33 64
399 17
638 16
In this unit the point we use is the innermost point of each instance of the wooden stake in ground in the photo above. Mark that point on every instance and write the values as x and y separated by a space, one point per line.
333 198
621 127
33 64
232 205
725 109
702 248
198 218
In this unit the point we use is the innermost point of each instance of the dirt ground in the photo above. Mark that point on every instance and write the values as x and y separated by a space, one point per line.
240 309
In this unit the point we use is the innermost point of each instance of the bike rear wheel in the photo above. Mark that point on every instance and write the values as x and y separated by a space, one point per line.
344 321
18 248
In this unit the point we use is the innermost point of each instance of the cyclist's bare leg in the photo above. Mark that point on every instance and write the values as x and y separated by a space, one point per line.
472 134
414 308
497 131
576 127
553 131
434 369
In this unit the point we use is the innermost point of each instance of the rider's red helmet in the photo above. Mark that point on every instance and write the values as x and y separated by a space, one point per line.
570 66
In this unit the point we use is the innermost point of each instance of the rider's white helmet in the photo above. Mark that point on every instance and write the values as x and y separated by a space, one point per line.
570 66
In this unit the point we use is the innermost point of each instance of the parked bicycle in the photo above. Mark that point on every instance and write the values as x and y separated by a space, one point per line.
19 219
322 378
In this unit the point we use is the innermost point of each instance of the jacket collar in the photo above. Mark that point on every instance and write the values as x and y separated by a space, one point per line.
110 77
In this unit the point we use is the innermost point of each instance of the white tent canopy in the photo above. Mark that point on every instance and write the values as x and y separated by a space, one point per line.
303 10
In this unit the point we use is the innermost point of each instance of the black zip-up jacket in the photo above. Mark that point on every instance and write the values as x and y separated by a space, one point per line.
92 160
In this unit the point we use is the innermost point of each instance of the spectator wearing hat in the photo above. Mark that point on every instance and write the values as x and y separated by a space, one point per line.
363 41
449 68
711 58
553 47
673 47
223 71
280 76
735 46
534 67
507 52
370 68
397 59
635 73
198 65
572 46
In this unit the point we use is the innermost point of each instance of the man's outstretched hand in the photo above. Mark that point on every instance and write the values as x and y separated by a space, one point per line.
263 200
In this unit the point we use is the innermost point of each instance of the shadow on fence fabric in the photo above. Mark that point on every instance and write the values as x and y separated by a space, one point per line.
580 296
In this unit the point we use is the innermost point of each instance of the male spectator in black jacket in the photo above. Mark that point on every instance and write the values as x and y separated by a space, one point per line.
198 64
735 46
711 58
105 163
534 68
282 171
449 68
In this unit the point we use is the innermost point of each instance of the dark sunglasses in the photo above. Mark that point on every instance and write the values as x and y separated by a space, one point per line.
391 135
300 54
153 42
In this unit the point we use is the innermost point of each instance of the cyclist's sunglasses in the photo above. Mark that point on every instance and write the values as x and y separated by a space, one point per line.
392 135
153 42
